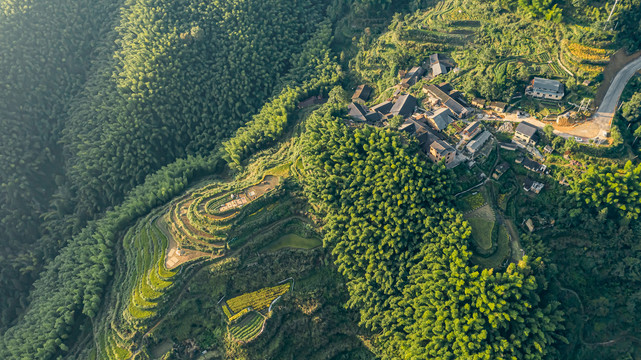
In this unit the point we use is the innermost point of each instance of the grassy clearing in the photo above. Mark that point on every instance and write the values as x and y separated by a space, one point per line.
482 232
293 241
280 170
497 259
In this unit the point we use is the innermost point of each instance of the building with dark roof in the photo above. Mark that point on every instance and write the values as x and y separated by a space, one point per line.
533 166
357 111
526 134
500 170
545 89
440 64
362 94
508 146
383 108
437 95
498 106
533 186
404 106
479 103
477 143
440 119
471 130
412 77
440 150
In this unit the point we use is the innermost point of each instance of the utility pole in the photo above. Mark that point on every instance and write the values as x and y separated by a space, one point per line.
611 12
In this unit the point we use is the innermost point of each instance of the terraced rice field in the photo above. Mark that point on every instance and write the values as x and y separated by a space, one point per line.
249 328
144 288
257 300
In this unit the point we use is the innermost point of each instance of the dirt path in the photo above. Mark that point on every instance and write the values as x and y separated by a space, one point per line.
584 318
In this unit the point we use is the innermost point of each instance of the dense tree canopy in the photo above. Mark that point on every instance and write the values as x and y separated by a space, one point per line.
404 253
98 95
611 188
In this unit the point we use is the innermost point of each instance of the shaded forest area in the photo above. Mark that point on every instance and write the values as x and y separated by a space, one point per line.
100 95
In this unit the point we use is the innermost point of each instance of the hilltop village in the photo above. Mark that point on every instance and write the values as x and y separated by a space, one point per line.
448 126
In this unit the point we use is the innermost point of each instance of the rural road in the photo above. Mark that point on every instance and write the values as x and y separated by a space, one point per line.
599 125
603 116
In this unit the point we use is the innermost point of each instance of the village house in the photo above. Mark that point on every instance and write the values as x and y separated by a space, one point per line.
412 77
440 65
439 96
404 106
440 150
362 93
526 134
531 165
500 170
479 103
471 130
499 107
383 108
545 89
508 146
440 119
360 113
477 143
435 148
530 185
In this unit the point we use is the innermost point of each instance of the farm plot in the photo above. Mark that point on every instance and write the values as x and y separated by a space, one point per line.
203 221
482 232
248 328
144 288
257 300
294 241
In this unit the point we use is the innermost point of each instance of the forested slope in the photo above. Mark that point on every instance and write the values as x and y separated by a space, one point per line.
97 97
46 50
184 76
404 253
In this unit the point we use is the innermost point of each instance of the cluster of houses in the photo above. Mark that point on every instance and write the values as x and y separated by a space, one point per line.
444 106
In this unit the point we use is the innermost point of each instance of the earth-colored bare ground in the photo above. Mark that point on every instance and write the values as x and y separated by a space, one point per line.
172 258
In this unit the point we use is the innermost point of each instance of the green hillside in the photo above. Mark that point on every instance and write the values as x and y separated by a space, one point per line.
180 179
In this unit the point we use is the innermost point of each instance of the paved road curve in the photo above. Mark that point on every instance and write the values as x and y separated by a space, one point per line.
601 121
606 111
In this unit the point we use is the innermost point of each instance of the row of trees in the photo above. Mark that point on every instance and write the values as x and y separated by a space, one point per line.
71 287
404 253
314 71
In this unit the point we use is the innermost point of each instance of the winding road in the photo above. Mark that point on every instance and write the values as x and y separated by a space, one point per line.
599 125
603 116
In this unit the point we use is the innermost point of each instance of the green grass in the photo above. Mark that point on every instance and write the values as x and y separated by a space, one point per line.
502 252
474 201
482 232
293 241
280 170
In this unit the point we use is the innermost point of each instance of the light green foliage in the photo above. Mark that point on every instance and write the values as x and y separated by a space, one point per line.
612 187
631 109
404 253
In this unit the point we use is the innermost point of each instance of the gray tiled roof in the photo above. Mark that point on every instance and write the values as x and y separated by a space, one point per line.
526 129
